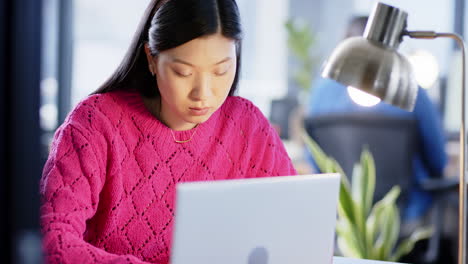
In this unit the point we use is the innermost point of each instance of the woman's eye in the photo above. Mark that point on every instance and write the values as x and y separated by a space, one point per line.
182 74
222 72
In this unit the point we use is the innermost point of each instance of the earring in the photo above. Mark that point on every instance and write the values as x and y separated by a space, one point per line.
151 70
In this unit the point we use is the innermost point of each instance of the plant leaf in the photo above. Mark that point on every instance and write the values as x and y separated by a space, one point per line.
358 195
371 234
346 204
376 222
390 229
389 198
346 249
394 231
368 181
357 178
408 244
319 156
349 246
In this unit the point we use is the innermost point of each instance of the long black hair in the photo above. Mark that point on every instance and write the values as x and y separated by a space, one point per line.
167 24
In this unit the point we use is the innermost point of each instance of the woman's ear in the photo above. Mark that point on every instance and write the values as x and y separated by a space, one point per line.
150 59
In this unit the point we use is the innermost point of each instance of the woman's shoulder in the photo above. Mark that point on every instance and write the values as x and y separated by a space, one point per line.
106 100
89 106
244 111
96 110
241 106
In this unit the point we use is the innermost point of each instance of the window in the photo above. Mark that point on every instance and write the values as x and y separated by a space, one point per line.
102 33
264 54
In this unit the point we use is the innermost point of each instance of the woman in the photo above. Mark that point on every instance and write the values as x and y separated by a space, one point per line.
167 115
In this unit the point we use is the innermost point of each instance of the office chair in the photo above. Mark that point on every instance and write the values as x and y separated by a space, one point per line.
392 142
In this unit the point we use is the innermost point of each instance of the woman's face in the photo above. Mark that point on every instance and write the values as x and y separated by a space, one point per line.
194 79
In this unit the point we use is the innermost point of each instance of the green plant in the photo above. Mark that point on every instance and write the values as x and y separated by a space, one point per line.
365 230
300 42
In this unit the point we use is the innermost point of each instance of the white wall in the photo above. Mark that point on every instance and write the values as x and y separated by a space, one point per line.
264 73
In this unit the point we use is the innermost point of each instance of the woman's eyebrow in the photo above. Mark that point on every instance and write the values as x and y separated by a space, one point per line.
223 60
177 60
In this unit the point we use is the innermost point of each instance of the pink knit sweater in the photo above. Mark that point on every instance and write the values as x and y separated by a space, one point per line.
108 186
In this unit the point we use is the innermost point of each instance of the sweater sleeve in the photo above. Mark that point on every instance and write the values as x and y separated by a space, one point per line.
71 183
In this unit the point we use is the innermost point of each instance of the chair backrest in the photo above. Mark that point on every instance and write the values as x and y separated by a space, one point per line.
391 140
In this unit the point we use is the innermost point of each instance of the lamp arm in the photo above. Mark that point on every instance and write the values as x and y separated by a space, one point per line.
462 178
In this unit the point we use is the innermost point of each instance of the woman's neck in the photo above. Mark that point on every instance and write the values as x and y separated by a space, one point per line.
154 106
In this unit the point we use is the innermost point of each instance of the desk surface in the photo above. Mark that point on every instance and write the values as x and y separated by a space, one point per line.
340 260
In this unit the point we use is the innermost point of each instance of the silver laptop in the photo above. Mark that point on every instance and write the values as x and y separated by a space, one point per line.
273 220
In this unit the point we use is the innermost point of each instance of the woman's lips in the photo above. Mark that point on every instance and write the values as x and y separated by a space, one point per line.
196 111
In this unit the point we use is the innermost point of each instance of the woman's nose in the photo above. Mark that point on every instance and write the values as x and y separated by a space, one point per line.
202 88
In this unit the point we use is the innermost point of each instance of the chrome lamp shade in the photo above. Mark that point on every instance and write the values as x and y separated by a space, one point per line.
378 70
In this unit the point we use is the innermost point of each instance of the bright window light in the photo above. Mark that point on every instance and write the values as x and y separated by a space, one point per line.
425 68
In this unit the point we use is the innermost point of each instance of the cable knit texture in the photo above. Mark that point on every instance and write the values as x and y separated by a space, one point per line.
108 187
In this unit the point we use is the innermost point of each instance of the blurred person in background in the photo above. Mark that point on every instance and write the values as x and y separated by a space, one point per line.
168 114
329 96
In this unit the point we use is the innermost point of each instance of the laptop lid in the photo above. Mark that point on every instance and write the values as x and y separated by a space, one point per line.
272 220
